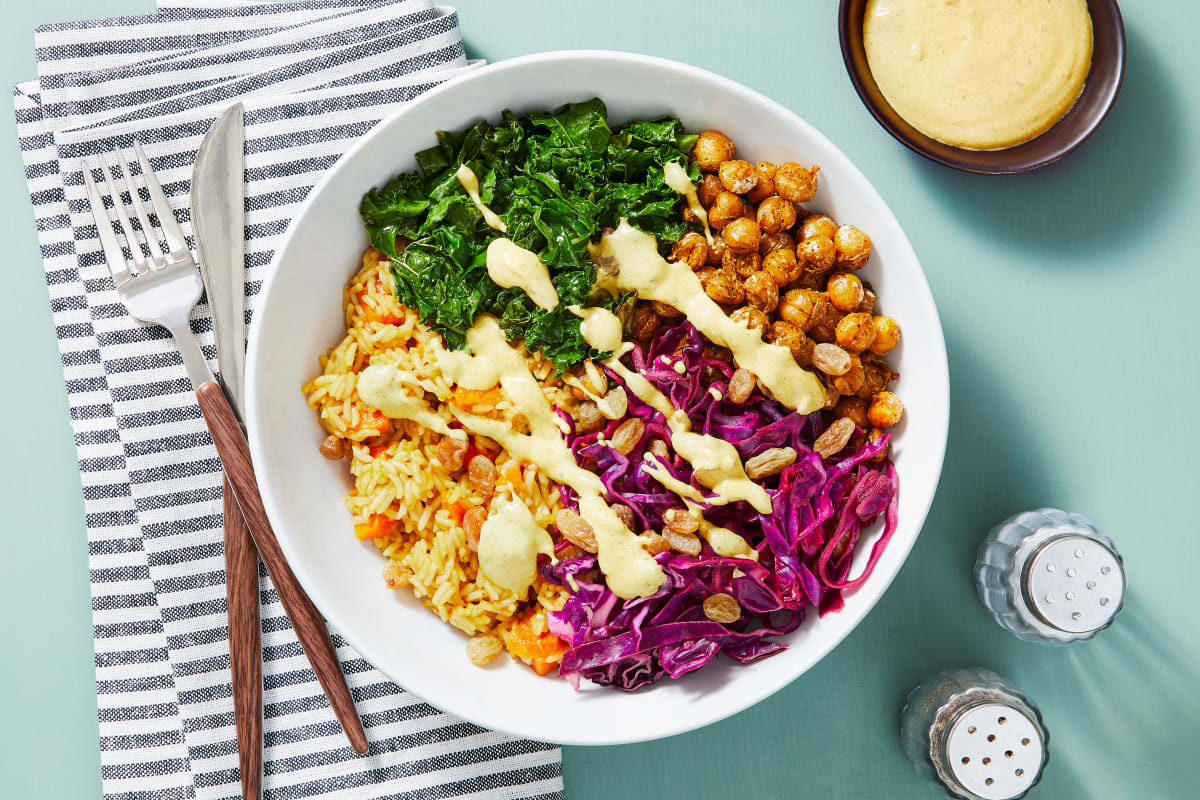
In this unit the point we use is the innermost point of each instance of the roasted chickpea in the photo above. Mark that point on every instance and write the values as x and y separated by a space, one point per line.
333 448
795 183
766 182
853 247
782 266
716 251
761 291
817 225
845 291
887 334
802 307
744 264
722 285
750 211
738 176
751 317
831 395
867 306
689 216
824 326
886 410
816 253
853 408
665 311
712 148
785 334
725 209
770 242
742 235
855 332
691 249
852 381
708 188
643 322
775 215
877 375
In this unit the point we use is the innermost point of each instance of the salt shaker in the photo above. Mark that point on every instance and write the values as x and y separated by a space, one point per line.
1050 576
975 735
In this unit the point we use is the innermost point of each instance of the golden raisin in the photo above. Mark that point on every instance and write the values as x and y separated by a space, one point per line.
472 523
627 435
576 530
688 543
643 322
481 473
682 521
654 544
831 359
450 452
740 386
722 608
482 650
835 437
769 462
854 409
333 448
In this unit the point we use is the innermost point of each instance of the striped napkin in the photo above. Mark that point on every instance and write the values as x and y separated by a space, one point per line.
314 76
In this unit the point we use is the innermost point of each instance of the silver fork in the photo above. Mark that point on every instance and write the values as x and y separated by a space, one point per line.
163 287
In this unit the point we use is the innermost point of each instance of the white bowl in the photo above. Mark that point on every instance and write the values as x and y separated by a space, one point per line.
300 316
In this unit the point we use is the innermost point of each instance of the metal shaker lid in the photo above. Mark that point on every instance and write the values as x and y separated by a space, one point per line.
1074 583
994 751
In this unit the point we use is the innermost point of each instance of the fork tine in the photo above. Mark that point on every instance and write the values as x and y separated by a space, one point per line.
140 209
140 264
162 208
113 254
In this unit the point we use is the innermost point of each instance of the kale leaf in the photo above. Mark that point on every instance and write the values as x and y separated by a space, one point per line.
557 179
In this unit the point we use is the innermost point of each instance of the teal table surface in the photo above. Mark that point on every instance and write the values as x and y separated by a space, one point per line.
1068 300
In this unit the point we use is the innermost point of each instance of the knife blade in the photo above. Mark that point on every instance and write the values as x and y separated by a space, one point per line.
218 222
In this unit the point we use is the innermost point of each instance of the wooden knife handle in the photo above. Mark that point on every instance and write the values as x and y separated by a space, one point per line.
245 643
310 629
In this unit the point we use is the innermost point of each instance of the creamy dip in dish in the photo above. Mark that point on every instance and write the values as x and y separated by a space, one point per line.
979 74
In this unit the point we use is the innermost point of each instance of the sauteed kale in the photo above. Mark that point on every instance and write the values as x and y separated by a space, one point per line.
556 179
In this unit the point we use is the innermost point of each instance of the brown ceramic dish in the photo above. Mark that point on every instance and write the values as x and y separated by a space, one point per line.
1098 96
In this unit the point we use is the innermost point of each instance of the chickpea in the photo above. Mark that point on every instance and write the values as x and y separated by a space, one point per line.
766 182
854 409
750 211
716 251
785 334
831 395
725 209
708 188
877 375
817 253
762 292
803 307
712 148
665 311
853 247
691 249
855 332
643 322
742 235
845 291
852 381
751 317
795 183
886 410
867 306
776 215
770 242
722 285
689 216
824 327
817 225
333 448
887 335
782 266
738 176
744 264
810 280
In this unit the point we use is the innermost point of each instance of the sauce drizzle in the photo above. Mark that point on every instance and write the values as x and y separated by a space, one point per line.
470 183
509 264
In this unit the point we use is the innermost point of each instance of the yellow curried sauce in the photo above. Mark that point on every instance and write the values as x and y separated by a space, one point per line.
979 74
470 183
509 264
677 178
509 543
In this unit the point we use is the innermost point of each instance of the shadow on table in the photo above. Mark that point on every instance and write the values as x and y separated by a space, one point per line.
1123 177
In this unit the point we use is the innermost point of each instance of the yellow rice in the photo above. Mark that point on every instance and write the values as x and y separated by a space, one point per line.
405 482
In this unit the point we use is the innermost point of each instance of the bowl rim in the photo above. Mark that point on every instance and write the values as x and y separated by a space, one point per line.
850 37
754 691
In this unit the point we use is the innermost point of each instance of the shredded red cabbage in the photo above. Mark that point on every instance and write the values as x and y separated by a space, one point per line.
805 546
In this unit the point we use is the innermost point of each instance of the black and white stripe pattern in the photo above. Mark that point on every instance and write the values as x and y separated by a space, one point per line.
313 76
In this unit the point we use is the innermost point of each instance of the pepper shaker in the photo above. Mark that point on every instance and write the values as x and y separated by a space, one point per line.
1050 577
975 735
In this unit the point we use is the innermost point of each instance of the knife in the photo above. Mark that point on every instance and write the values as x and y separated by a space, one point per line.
218 221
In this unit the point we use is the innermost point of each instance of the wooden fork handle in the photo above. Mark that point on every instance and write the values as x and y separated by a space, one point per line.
231 444
245 644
